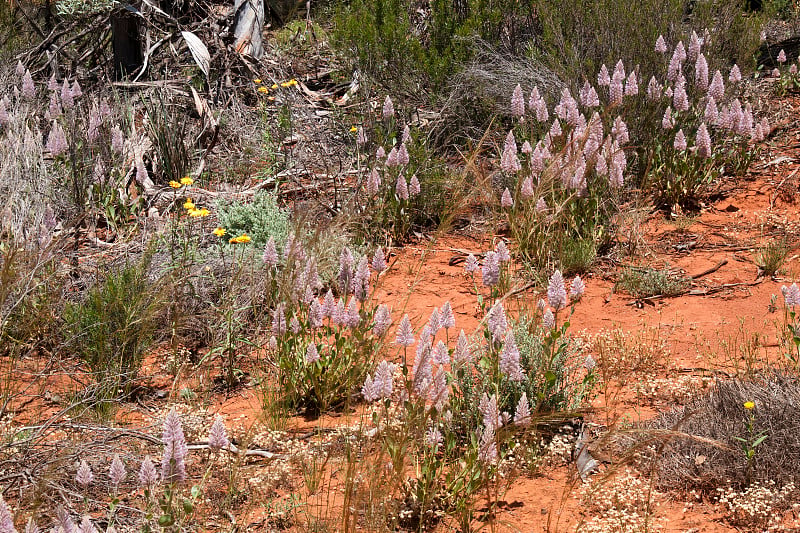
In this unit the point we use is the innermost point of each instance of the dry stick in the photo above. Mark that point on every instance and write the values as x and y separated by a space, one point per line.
711 270
236 451
124 432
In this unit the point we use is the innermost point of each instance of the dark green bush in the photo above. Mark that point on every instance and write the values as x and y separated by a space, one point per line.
115 325
408 50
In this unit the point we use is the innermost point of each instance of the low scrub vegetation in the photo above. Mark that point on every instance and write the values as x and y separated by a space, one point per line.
215 276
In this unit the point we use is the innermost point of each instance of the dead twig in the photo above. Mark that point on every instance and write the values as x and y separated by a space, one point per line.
711 270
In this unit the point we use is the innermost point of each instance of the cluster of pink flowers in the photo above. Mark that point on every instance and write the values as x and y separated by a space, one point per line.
732 117
586 146
586 149
557 297
353 280
791 295
397 159
173 470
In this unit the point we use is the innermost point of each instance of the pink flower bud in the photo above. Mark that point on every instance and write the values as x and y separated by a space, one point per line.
661 45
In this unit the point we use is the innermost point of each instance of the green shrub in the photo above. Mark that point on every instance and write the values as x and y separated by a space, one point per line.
577 37
644 282
402 51
115 325
261 219
771 256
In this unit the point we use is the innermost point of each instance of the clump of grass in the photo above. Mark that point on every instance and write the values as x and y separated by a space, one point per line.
708 438
645 282
577 256
770 257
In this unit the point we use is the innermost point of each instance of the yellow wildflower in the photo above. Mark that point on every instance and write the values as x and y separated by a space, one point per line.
194 213
749 405
244 238
285 84
186 180
263 90
188 205
292 82
353 129
174 184
274 85
219 232
203 212
257 80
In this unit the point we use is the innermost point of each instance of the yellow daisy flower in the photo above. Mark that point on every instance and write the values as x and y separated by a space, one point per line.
353 129
244 238
174 184
257 80
749 405
188 205
186 180
219 232
262 90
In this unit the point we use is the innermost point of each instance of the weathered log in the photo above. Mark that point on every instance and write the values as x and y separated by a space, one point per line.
248 27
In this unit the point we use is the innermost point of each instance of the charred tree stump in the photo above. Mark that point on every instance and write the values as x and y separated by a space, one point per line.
768 54
127 43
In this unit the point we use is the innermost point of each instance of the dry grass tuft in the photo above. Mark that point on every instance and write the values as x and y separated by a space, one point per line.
703 451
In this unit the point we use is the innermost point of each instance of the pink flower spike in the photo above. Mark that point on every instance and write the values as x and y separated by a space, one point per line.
527 190
735 76
506 202
680 141
28 88
405 335
401 188
603 79
703 141
413 186
116 472
517 103
218 435
661 45
388 109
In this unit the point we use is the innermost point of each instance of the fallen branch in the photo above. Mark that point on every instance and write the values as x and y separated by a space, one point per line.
232 448
711 270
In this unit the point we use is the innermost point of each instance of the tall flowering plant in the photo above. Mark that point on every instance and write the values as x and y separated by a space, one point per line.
705 131
454 408
85 144
567 165
323 346
391 198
